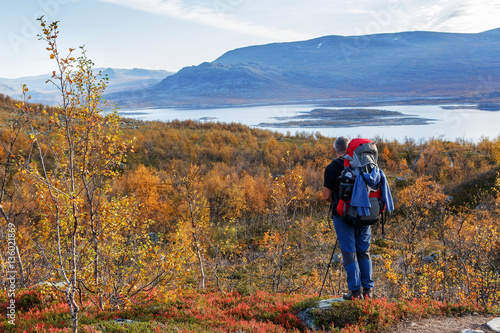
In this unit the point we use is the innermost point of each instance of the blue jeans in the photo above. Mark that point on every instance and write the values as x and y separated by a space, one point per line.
355 245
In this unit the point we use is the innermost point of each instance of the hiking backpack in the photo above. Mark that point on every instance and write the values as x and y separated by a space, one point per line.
364 194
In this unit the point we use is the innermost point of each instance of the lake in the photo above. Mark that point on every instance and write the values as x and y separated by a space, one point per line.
465 123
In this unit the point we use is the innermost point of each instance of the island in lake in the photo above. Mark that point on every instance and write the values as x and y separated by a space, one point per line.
323 117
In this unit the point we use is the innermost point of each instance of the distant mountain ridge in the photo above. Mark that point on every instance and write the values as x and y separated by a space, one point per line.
393 65
119 80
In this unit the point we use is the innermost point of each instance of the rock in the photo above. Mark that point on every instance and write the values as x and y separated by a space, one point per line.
124 321
53 284
327 303
305 315
337 257
494 324
307 319
468 330
154 237
430 258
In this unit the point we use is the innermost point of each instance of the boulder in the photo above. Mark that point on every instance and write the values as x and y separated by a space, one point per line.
494 324
305 315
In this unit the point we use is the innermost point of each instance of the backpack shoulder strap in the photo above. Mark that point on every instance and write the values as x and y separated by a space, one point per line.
339 161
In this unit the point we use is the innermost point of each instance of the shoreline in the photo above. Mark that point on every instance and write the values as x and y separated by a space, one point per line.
345 118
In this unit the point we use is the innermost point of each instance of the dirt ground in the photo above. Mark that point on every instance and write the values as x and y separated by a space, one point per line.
444 324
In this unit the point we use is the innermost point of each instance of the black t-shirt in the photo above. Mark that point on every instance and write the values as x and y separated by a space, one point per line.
331 178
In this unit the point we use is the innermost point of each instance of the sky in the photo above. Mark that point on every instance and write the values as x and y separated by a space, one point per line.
172 34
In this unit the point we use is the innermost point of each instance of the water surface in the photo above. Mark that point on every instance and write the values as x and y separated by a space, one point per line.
465 122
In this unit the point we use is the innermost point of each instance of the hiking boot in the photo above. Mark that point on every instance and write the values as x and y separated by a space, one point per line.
367 293
352 294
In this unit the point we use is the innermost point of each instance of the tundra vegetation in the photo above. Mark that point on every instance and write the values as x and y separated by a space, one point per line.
206 226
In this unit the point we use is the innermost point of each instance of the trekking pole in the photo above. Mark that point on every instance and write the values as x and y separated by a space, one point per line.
328 267
384 219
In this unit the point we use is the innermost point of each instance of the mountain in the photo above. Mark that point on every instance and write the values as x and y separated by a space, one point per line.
119 80
381 66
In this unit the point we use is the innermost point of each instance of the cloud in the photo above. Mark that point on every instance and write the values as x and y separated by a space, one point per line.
472 16
219 15
465 16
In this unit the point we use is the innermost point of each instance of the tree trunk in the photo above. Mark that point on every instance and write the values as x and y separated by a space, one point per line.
200 262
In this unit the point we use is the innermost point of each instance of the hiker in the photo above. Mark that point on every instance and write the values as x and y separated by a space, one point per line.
354 241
